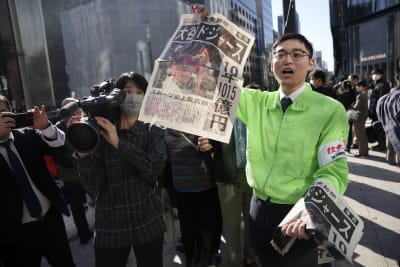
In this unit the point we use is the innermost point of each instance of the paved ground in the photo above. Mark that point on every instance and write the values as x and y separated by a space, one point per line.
373 192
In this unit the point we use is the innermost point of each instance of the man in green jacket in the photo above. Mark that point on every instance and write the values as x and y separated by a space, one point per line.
295 136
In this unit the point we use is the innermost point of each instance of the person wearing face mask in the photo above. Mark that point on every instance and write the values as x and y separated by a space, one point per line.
122 173
380 88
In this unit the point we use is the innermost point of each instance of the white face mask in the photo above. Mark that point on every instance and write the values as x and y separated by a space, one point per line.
131 105
376 77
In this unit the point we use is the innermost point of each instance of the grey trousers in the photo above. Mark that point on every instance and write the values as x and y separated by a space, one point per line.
235 201
361 134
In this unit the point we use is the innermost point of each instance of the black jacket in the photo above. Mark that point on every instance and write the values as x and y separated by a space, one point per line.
31 149
65 161
224 163
191 169
380 89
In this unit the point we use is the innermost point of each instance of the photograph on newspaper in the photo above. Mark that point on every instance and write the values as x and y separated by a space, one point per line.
196 82
329 219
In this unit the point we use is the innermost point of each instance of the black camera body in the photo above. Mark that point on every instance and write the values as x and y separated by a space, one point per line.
22 119
105 100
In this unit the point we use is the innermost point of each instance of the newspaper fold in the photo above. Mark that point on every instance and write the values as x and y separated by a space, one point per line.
335 227
196 82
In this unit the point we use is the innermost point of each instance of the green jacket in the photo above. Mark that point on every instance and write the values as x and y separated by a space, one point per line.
287 152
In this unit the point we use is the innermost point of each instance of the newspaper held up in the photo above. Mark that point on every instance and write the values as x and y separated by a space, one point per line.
335 227
195 85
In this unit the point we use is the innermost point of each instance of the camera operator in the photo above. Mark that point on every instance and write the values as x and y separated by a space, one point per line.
31 224
122 174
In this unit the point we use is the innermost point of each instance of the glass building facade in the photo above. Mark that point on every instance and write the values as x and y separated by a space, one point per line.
58 49
244 14
366 35
104 38
267 22
63 48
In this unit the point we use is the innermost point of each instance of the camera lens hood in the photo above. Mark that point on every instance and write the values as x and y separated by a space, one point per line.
83 136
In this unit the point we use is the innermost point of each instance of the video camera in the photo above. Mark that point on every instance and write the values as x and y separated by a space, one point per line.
83 136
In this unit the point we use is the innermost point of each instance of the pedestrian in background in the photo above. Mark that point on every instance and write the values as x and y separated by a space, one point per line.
347 96
361 108
391 156
380 87
318 82
234 196
73 190
196 197
122 174
353 78
31 225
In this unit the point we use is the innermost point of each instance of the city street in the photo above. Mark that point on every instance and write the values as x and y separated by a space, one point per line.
373 192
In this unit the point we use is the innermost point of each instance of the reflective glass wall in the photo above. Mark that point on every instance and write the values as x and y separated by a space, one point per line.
104 38
357 9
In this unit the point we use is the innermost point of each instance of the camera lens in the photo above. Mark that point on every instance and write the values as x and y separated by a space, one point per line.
83 136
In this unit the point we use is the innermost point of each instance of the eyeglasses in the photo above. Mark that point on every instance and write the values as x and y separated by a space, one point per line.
295 54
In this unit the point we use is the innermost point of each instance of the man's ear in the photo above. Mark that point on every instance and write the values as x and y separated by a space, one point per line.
311 64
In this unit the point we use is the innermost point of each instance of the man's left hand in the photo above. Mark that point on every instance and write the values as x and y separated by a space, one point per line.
40 120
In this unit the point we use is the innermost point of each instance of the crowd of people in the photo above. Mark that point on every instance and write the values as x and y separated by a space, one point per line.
360 99
278 148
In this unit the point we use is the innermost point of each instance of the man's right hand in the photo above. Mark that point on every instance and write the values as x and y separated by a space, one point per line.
6 124
200 9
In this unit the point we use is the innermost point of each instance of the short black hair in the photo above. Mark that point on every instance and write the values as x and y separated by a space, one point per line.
362 83
134 77
296 36
354 76
377 71
318 74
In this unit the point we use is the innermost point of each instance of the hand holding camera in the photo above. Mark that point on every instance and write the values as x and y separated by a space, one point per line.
40 120
18 120
35 118
109 131
6 123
